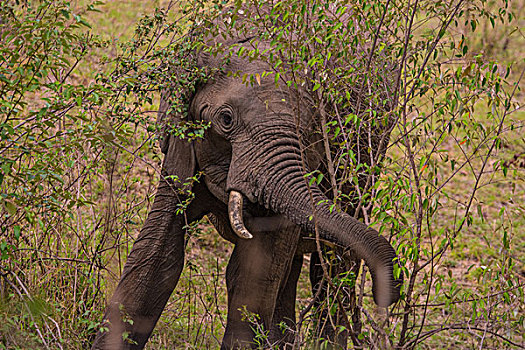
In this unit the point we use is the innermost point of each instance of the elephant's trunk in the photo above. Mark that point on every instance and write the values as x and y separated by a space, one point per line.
348 232
342 229
286 192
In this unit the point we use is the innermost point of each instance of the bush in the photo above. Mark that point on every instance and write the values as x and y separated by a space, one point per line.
78 161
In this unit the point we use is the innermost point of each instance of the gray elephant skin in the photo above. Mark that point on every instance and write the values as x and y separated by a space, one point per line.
254 162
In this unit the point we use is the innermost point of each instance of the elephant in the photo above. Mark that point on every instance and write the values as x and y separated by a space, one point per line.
261 142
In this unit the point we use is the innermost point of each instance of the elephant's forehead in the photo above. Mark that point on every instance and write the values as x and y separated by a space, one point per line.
236 91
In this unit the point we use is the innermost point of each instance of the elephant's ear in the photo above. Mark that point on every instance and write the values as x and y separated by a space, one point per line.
162 122
179 157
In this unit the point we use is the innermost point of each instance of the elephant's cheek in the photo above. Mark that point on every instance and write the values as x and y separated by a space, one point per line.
213 159
217 189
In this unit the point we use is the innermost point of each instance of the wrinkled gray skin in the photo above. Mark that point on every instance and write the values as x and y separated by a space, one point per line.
252 147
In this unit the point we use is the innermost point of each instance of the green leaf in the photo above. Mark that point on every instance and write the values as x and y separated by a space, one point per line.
10 207
320 178
16 232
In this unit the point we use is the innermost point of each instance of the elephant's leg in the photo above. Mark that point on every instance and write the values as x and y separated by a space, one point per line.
284 314
353 264
328 324
254 275
151 273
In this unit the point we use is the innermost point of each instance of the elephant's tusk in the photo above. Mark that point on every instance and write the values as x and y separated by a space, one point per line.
235 214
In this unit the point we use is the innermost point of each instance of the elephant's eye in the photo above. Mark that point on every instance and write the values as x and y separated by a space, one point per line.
226 118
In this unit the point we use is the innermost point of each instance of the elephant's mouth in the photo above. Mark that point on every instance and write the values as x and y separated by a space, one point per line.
255 223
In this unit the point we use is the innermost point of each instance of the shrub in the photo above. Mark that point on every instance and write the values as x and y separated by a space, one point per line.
78 161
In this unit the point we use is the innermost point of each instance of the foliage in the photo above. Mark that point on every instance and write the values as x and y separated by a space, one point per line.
78 162
72 193
407 67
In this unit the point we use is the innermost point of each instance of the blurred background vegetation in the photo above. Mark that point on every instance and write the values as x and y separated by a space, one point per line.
79 163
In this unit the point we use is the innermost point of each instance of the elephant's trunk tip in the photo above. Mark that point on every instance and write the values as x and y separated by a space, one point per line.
235 206
386 288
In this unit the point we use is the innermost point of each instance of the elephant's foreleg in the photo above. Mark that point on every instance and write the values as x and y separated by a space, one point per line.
254 275
151 272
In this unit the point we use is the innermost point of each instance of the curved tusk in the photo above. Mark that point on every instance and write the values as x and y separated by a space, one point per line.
235 215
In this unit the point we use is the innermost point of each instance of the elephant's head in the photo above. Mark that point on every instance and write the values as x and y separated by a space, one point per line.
253 151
